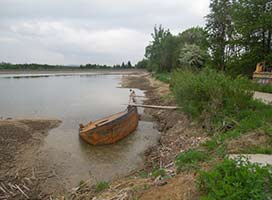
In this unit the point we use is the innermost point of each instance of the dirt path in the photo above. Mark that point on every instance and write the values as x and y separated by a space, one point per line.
265 97
22 175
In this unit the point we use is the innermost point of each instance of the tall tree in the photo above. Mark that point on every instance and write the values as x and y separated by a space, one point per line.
219 27
160 51
129 64
253 22
194 36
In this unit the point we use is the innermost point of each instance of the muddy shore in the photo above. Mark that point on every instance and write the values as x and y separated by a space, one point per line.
21 177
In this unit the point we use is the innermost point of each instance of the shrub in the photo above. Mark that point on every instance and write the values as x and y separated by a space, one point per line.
101 186
164 77
210 96
236 180
189 159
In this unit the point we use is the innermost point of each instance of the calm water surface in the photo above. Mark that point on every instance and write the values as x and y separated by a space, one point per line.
77 99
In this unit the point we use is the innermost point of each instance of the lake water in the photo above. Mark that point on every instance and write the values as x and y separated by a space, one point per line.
77 99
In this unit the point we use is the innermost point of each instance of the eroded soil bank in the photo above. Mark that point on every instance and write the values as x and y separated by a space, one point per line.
21 176
177 134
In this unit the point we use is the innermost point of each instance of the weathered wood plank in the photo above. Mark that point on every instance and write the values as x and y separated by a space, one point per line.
153 106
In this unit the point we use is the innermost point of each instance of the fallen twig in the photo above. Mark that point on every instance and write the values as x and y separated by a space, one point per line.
22 191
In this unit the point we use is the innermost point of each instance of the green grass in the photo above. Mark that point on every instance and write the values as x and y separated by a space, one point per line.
258 150
263 88
211 144
190 160
164 77
143 174
236 180
158 172
101 186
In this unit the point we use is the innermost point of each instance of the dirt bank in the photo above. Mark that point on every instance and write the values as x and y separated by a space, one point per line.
177 134
19 147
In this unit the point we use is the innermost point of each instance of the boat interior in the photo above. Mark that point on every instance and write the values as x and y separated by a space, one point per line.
103 121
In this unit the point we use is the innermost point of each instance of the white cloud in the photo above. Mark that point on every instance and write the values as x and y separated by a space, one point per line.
80 31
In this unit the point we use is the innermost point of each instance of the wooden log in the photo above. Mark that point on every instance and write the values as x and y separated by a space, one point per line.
153 106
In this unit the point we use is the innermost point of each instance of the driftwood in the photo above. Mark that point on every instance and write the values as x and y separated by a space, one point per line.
153 106
22 191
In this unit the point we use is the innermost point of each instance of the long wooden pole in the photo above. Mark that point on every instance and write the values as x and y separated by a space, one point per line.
153 106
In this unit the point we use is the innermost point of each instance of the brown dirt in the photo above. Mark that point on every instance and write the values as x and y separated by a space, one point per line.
248 141
19 144
179 187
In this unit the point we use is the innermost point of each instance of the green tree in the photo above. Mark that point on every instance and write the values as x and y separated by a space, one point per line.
141 64
161 50
123 65
219 27
194 35
129 64
192 56
252 21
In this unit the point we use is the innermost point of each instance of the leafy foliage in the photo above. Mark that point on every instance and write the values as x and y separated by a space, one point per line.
210 96
194 36
164 51
240 34
191 56
236 180
164 77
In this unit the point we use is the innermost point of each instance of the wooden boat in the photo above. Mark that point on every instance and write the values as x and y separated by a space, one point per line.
110 129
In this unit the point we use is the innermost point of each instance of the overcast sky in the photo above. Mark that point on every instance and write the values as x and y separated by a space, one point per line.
89 31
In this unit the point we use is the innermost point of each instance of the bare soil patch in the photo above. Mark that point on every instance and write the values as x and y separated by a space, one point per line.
19 146
249 141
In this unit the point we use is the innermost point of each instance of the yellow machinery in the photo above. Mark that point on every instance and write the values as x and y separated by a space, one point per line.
263 73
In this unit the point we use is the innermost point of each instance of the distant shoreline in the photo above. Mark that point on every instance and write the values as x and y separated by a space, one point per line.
71 71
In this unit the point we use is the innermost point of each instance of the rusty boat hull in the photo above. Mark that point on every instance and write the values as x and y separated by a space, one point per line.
110 129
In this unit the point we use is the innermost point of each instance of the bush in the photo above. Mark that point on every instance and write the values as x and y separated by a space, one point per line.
236 180
101 186
164 77
189 159
210 96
